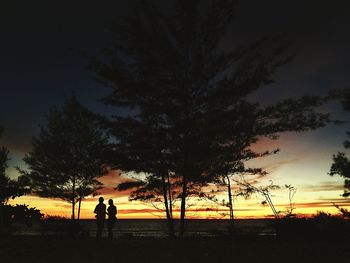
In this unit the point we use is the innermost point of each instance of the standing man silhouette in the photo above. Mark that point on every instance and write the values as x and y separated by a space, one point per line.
100 211
112 217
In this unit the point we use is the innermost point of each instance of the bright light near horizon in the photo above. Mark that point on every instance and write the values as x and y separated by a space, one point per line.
308 203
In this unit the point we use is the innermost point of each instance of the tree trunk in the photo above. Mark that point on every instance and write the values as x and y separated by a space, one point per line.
183 207
186 139
167 209
231 226
269 201
79 208
230 201
170 197
73 208
73 200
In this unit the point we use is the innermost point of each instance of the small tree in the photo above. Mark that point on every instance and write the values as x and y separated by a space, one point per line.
67 156
341 162
341 167
8 188
253 122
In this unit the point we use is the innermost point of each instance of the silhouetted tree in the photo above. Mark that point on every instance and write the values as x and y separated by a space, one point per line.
291 206
143 148
341 162
343 211
25 214
67 156
159 191
253 122
8 188
188 98
248 189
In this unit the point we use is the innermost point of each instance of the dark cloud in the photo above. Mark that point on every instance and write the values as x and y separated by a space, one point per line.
38 67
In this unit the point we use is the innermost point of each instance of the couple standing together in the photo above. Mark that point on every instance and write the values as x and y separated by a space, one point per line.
100 211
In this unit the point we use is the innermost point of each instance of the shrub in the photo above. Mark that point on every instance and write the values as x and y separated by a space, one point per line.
321 226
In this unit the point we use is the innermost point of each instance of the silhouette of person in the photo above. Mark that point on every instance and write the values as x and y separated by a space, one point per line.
100 211
112 217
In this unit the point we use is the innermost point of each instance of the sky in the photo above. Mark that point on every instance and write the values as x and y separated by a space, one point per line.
40 65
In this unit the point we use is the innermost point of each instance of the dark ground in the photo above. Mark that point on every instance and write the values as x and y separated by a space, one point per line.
195 249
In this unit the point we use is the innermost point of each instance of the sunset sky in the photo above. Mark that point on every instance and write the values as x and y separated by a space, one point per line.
39 66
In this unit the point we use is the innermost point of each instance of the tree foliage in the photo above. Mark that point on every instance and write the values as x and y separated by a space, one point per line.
67 155
9 188
341 162
190 117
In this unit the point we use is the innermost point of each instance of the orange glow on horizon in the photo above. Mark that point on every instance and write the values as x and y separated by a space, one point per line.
301 164
136 210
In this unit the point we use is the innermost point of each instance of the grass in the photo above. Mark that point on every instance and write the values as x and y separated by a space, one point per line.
194 249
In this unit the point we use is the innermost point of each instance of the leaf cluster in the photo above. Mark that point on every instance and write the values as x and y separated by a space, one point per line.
68 153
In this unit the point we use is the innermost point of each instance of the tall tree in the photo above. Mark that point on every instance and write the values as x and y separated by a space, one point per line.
67 157
341 161
189 96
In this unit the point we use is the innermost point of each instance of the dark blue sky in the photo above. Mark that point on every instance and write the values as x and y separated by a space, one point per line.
38 67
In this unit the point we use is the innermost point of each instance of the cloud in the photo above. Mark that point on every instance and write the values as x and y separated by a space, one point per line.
111 181
113 178
325 203
323 186
111 192
271 167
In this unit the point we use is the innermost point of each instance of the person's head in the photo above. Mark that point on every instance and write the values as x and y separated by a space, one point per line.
100 200
110 201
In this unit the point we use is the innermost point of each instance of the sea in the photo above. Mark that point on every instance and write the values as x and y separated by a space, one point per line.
158 227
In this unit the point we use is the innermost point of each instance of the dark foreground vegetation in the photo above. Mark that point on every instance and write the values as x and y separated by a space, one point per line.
321 238
194 249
